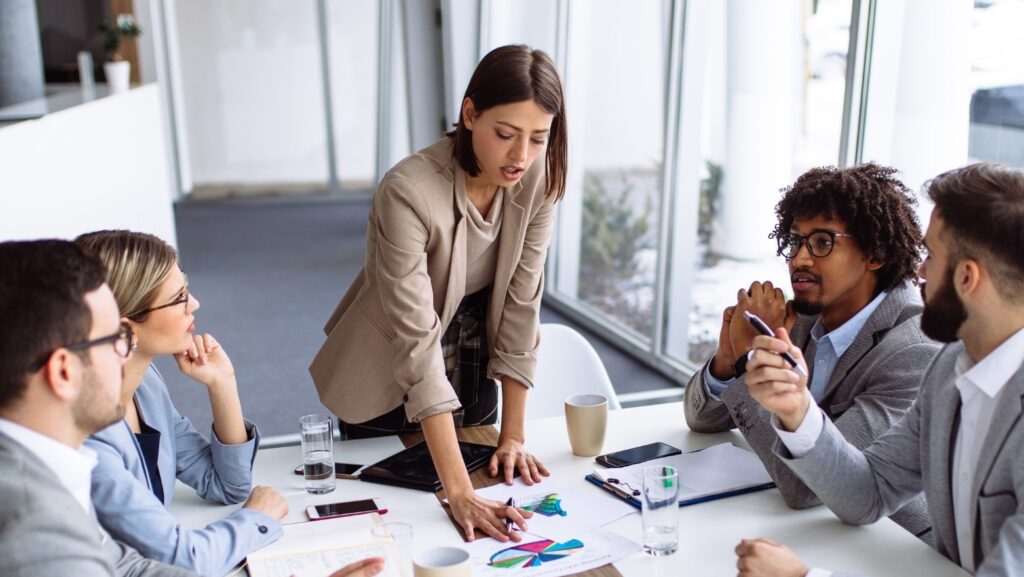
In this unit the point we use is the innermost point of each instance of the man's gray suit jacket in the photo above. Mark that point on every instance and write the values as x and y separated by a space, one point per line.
917 453
873 384
44 531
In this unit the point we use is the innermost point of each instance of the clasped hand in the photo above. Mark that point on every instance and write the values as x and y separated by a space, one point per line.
736 338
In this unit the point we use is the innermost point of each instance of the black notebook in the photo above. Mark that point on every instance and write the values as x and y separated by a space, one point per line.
413 468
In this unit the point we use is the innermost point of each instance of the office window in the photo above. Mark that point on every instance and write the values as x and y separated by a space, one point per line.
997 82
616 82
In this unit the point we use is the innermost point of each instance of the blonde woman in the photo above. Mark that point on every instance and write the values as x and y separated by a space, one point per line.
140 457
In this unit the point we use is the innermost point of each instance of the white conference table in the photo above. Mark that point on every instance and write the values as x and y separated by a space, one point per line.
708 532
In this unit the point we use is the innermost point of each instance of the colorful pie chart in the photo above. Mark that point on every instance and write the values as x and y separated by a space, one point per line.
534 554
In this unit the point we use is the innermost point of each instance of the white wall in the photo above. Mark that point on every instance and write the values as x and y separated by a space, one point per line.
98 165
254 104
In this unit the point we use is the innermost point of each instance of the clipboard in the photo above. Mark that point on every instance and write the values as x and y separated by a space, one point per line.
629 498
715 472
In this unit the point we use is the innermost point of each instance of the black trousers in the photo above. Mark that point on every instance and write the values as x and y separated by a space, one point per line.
465 350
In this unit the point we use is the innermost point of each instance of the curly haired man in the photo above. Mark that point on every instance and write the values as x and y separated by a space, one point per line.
852 242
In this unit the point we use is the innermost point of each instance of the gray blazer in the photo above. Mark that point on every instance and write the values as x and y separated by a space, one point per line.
44 531
873 385
917 453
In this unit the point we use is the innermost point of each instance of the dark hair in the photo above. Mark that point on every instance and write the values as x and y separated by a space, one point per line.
982 207
42 304
510 74
877 208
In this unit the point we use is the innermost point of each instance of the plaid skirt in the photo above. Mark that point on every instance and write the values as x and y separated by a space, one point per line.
464 346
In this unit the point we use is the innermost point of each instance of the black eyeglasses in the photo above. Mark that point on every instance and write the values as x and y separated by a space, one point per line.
819 243
181 299
122 341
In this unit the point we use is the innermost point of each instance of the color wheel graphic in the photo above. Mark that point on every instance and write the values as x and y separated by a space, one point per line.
534 554
548 505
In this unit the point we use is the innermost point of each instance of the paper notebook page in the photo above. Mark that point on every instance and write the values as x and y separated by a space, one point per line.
320 535
717 469
321 563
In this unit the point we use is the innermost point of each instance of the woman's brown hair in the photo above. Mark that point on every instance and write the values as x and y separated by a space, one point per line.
511 74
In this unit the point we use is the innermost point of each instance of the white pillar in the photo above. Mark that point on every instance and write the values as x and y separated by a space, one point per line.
918 113
762 57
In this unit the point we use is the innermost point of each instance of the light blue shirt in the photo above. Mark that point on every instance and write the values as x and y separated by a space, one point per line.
122 490
830 347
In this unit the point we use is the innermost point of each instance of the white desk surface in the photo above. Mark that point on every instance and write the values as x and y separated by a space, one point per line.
708 532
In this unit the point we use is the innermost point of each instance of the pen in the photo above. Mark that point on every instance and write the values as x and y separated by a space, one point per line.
763 328
508 520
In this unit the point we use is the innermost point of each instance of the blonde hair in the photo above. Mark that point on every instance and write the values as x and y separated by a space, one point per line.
137 264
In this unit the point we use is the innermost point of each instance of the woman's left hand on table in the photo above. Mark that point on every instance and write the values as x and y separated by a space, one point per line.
511 456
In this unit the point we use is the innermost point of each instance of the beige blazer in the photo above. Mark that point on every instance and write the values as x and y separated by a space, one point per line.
383 346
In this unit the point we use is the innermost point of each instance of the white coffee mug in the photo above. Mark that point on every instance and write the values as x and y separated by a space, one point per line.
586 418
442 562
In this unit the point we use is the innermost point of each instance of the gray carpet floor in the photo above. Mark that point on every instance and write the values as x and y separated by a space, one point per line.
267 273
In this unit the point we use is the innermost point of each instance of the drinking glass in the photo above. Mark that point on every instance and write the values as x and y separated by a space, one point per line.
318 453
660 510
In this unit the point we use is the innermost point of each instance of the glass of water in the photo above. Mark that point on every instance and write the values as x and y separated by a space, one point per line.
318 453
661 510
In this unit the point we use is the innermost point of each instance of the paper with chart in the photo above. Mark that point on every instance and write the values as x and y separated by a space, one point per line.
557 512
721 468
319 548
540 556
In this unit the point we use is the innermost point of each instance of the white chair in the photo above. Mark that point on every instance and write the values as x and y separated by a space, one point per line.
566 365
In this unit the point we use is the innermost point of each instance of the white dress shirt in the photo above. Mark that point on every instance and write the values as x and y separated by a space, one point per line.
980 385
73 467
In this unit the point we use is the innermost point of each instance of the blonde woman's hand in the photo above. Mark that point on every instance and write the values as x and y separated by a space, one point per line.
205 361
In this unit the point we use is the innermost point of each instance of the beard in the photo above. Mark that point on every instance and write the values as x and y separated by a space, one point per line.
944 313
807 307
91 411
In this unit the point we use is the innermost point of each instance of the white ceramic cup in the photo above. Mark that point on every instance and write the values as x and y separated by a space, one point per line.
586 418
442 562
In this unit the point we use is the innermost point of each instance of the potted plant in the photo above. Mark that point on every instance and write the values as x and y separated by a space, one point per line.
117 69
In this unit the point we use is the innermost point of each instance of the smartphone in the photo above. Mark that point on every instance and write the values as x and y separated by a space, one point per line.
341 470
636 455
343 509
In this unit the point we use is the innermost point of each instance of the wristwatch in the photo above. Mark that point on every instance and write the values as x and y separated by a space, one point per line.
741 365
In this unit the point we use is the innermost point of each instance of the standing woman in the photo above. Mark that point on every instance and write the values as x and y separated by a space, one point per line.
448 299
140 457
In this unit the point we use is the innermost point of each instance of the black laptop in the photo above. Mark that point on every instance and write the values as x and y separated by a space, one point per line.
412 468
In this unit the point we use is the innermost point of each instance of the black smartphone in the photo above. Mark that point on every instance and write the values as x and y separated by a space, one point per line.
345 509
341 470
636 455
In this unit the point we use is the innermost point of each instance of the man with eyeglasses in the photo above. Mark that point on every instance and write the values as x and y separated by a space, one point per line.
62 348
852 242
